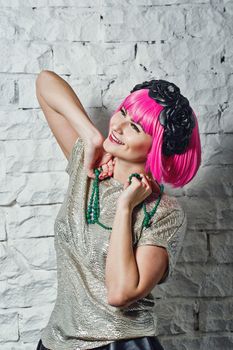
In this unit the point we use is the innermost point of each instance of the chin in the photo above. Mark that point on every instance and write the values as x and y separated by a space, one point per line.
106 145
105 141
110 147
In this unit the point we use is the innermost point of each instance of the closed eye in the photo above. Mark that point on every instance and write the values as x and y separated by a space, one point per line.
133 125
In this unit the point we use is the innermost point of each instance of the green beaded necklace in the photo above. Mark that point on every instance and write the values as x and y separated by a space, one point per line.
93 211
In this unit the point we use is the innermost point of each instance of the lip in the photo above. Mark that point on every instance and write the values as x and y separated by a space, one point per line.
112 140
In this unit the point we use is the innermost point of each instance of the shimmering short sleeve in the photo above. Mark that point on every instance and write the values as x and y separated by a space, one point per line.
76 156
169 233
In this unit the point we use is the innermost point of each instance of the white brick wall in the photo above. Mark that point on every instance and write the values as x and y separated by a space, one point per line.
103 48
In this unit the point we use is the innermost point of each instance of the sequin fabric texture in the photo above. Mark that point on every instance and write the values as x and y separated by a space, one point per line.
81 317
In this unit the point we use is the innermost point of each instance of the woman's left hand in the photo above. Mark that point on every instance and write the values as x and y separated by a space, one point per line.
95 157
137 191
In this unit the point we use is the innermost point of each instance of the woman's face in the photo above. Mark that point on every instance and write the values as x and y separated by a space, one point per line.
136 143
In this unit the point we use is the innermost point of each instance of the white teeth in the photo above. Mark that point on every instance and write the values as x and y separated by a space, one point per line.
115 139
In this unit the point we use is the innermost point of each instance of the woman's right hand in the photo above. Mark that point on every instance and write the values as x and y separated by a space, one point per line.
95 156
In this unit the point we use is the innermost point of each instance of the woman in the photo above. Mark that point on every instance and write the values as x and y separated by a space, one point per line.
117 234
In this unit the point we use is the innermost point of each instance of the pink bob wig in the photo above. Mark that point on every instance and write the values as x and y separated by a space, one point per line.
177 169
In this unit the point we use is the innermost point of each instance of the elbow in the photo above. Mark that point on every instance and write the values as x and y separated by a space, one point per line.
42 76
121 299
45 72
116 299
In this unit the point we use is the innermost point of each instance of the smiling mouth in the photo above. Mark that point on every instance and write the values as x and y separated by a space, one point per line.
114 140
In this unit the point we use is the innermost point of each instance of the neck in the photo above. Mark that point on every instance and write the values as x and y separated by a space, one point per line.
123 170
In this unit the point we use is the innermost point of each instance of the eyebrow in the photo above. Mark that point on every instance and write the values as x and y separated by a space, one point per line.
134 121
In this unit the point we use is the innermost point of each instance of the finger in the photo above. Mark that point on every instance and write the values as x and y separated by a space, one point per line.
106 157
144 179
155 185
111 161
91 174
146 182
149 180
138 182
110 171
89 169
104 167
105 172
135 179
110 165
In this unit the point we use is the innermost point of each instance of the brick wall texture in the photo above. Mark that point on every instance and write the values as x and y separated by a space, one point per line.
103 48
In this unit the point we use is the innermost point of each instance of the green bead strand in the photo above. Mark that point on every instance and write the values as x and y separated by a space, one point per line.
93 210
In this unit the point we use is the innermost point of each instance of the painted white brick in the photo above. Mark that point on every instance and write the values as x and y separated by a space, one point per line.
21 124
216 315
226 120
27 92
176 317
34 253
31 221
8 326
221 246
29 156
10 187
29 288
152 23
32 320
194 248
77 58
43 188
24 57
2 225
102 49
9 93
204 21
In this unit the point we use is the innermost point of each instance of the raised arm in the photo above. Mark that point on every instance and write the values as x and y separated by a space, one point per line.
64 112
130 275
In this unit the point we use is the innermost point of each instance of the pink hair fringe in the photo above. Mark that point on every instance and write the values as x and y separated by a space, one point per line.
176 170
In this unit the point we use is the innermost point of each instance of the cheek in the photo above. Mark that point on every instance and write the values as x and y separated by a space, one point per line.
142 147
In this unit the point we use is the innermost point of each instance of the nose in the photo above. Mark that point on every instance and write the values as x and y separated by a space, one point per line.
118 129
120 125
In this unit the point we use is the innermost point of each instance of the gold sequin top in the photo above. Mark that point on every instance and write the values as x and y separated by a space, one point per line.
82 317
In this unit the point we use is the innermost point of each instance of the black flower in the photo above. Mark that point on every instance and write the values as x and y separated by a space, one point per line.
176 117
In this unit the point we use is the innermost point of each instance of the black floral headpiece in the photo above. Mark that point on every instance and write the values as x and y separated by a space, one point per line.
176 117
